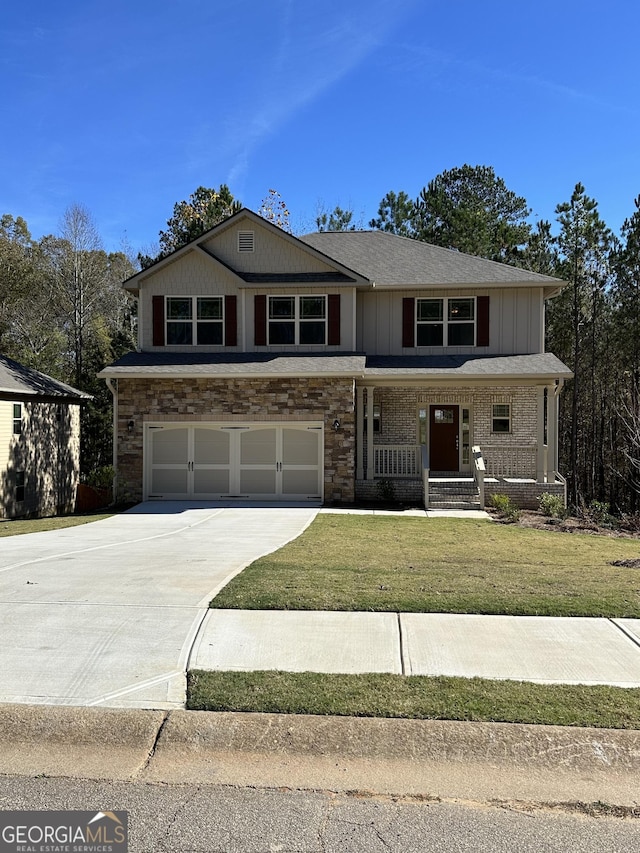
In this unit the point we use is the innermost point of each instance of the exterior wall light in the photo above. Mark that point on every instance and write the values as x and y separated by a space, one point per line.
130 427
336 425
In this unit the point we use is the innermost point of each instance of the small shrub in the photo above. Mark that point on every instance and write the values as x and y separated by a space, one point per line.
101 478
552 505
508 510
631 522
599 513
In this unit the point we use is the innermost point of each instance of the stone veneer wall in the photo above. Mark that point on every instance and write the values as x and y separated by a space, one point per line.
246 400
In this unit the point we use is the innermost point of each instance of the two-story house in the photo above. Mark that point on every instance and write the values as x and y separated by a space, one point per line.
272 367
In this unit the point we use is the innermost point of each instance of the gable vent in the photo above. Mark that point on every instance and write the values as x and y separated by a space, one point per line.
245 241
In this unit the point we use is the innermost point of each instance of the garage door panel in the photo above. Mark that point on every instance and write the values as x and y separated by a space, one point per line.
258 447
170 446
300 446
257 482
300 482
211 481
211 447
169 481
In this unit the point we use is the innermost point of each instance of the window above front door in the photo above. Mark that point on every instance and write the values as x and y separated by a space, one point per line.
446 322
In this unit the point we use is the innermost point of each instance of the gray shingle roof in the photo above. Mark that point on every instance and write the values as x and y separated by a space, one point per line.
468 366
387 259
235 364
269 365
20 381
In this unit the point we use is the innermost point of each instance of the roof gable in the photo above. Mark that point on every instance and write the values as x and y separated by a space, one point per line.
278 257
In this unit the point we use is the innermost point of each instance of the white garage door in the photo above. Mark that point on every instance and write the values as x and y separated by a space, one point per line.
204 461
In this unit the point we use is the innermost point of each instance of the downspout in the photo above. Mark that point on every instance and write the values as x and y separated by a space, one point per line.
556 449
111 385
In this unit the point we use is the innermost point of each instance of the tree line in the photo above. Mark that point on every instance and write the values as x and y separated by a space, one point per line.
63 310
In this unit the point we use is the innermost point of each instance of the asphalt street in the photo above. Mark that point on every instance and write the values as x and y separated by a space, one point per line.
226 819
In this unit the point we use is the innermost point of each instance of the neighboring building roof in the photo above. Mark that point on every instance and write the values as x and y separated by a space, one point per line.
388 260
16 380
468 366
137 365
215 365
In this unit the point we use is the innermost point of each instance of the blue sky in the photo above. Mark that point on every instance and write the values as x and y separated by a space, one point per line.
127 106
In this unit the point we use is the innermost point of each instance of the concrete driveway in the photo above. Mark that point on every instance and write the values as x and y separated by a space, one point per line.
107 613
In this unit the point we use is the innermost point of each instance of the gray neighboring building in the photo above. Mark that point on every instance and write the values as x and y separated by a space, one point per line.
39 442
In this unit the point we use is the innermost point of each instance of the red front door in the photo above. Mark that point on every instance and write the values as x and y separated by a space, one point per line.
443 438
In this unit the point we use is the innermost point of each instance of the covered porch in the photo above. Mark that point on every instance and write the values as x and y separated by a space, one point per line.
435 444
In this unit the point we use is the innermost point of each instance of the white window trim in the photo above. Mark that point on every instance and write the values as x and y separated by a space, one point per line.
296 319
495 418
17 419
445 321
194 319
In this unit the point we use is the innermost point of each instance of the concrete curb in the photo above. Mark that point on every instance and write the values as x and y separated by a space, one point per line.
88 743
480 761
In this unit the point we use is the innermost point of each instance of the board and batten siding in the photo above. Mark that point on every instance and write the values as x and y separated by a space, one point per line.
271 253
193 275
516 321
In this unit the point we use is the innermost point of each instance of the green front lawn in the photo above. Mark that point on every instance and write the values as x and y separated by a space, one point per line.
415 697
15 527
365 562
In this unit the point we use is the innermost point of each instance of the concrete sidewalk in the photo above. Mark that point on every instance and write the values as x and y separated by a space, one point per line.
547 650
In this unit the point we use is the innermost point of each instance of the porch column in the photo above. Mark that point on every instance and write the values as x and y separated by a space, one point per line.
552 431
541 466
359 432
370 455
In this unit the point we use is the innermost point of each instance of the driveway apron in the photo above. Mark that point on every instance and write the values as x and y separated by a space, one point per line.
107 613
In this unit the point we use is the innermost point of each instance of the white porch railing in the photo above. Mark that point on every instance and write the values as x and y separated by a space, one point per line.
397 460
511 460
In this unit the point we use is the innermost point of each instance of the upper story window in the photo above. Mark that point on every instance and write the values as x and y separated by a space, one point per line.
17 418
195 320
446 322
297 320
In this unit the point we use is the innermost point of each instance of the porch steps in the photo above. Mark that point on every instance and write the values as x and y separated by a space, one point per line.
453 493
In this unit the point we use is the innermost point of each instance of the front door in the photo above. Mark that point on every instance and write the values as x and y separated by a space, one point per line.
443 438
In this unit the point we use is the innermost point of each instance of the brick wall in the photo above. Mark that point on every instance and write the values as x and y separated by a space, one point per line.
241 400
523 495
400 406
